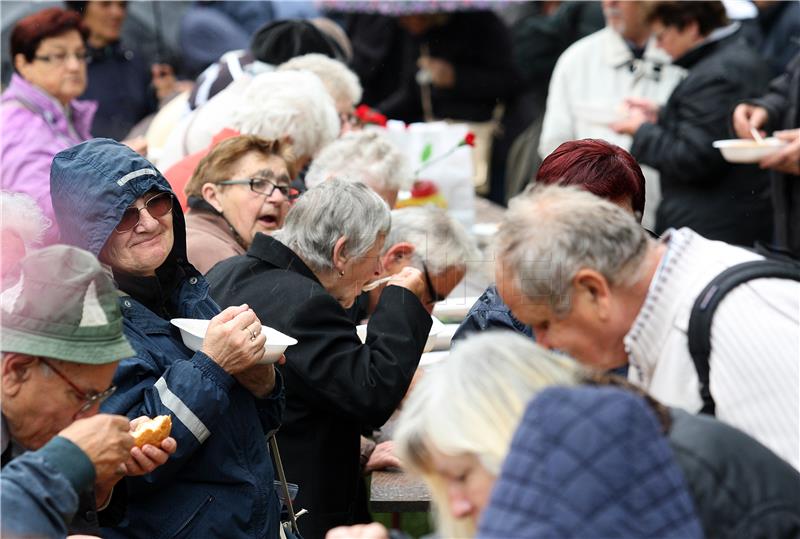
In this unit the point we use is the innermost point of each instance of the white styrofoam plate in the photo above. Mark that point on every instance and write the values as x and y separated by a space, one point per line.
193 331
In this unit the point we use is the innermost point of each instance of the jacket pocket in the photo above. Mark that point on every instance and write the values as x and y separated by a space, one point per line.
192 519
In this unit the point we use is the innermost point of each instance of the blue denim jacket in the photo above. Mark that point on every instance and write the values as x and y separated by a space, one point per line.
489 312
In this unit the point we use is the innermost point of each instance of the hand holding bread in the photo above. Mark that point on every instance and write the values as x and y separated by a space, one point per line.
152 444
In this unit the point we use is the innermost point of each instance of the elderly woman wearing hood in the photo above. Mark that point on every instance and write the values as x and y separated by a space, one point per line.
115 204
303 279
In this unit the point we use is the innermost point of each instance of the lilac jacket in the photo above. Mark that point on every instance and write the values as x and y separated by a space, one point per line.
33 129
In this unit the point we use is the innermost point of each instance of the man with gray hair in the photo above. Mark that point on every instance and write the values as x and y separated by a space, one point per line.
429 239
62 341
365 156
590 282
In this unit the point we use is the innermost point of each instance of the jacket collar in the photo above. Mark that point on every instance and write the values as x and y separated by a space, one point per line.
617 53
79 113
274 253
715 39
189 299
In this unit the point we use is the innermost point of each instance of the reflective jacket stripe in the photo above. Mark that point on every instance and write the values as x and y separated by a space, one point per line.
181 411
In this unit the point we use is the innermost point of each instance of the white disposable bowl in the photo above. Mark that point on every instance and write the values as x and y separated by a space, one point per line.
436 328
193 331
748 151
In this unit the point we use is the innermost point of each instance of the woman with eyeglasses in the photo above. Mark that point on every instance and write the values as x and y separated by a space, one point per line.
219 483
39 112
242 187
303 279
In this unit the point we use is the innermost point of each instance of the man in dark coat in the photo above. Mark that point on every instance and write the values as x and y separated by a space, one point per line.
779 108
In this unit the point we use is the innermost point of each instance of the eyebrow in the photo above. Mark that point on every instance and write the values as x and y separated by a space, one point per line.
267 174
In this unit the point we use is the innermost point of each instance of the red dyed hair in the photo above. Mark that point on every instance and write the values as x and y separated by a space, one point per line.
602 168
29 32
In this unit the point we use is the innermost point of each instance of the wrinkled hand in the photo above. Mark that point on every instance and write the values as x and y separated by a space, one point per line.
229 340
443 74
148 458
411 279
787 159
259 379
382 457
106 440
360 531
746 116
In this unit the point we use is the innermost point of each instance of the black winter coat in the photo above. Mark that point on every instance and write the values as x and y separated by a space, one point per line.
335 385
783 106
700 190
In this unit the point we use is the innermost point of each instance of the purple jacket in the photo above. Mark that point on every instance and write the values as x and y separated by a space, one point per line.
33 129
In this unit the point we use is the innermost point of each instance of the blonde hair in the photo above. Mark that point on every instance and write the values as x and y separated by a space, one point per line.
218 165
472 404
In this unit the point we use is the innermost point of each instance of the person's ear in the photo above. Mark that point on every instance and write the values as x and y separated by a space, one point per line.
21 64
397 257
17 369
592 286
210 194
340 257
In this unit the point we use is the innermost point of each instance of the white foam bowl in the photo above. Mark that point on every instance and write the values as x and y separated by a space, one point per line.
193 331
436 328
748 151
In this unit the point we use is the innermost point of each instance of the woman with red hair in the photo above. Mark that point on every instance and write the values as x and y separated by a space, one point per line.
39 113
603 169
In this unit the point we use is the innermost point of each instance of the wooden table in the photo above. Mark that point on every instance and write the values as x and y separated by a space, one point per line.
398 492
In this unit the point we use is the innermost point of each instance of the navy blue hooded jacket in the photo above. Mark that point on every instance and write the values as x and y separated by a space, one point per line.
219 483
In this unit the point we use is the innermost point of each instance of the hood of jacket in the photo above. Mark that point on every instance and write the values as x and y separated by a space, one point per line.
94 182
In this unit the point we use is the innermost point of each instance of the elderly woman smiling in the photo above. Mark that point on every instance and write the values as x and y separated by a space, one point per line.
302 279
243 186
115 204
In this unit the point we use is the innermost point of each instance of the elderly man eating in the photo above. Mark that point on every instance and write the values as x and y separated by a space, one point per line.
62 341
592 283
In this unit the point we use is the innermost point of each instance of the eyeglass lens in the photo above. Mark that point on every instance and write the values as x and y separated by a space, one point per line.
158 206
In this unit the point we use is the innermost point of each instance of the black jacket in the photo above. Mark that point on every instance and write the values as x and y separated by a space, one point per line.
740 488
783 105
335 385
699 188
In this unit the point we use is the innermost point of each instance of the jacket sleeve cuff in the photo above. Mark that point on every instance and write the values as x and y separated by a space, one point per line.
214 372
71 461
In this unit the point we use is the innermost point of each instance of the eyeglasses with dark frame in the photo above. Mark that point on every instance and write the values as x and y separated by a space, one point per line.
435 295
157 206
90 399
60 58
263 186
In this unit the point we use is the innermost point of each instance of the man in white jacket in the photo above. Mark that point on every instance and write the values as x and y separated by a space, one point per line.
592 283
595 75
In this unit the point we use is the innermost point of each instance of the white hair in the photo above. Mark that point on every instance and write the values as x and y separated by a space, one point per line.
341 83
21 214
439 240
332 210
368 156
549 233
290 104
472 404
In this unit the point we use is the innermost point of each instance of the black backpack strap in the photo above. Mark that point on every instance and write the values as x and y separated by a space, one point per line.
706 304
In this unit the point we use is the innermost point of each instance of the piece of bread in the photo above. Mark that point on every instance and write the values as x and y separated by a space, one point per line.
152 432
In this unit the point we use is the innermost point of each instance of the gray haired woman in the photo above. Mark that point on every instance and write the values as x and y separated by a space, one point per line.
303 279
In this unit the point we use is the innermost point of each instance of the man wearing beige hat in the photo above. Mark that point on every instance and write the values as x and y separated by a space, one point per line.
61 342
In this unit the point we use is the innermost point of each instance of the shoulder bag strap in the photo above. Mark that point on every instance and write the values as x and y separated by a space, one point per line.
699 332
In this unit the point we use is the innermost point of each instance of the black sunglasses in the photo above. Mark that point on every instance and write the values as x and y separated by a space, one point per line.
157 206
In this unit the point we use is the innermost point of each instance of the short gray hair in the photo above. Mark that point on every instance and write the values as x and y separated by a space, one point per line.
549 233
439 240
290 104
368 156
332 210
341 83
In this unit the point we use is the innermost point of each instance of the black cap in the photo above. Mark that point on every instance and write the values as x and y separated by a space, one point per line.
279 41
